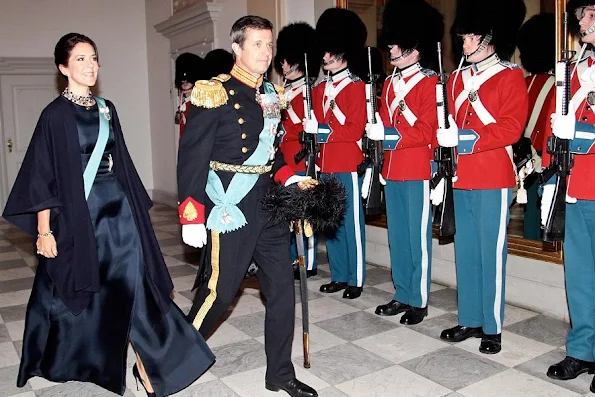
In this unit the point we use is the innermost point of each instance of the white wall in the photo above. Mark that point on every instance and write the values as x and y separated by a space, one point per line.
231 11
298 11
31 28
161 107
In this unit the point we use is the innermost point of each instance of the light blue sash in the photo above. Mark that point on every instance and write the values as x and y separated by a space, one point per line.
95 159
226 216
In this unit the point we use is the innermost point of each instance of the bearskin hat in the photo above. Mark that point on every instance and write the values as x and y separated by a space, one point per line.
189 67
218 61
571 8
359 66
502 18
294 41
340 31
413 24
536 43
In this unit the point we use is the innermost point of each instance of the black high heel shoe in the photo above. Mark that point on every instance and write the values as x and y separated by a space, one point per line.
138 378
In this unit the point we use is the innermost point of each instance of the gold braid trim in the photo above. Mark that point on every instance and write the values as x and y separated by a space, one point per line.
212 285
208 94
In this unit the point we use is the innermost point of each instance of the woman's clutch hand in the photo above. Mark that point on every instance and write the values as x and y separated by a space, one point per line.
46 246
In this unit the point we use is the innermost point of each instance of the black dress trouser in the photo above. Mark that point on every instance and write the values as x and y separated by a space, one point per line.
228 257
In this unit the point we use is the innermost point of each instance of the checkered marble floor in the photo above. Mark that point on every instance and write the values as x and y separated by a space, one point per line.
353 352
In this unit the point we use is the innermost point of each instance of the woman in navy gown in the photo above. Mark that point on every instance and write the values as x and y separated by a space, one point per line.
101 282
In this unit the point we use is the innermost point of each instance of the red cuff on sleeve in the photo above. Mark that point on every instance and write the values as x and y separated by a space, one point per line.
283 174
191 212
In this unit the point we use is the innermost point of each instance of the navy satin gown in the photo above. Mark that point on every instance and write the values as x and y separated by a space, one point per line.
92 346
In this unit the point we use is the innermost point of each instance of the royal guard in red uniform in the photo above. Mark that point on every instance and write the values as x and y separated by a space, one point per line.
339 104
579 240
296 41
536 45
488 106
189 69
411 30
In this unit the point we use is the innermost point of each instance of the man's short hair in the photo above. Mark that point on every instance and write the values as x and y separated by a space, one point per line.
238 30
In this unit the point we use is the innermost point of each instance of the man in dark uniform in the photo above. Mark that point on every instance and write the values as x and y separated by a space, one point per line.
226 164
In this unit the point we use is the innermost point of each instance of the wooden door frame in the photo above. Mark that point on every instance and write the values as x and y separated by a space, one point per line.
19 66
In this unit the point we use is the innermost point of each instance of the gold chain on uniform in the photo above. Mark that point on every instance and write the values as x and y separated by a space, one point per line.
240 169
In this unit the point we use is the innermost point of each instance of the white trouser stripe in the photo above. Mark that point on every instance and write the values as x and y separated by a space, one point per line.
358 234
499 259
311 253
423 286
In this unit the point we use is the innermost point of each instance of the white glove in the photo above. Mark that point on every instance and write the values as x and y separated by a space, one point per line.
194 235
382 180
366 183
310 126
546 202
437 194
295 179
563 126
375 131
448 137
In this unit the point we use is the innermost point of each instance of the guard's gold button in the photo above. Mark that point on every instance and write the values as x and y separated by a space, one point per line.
232 92
244 149
241 120
237 106
244 135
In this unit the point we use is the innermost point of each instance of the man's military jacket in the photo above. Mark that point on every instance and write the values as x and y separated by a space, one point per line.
224 124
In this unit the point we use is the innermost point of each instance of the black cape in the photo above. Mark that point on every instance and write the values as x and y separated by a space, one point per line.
51 176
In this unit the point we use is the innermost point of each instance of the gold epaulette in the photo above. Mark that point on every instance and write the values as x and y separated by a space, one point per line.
222 77
209 94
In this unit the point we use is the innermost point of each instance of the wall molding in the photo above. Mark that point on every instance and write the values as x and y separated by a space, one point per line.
192 29
27 66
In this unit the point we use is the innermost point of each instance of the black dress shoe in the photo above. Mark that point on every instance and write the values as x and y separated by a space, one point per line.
491 344
592 388
392 308
352 292
570 368
293 387
460 333
414 315
309 273
333 286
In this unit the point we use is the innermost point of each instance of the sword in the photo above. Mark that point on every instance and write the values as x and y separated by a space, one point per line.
300 232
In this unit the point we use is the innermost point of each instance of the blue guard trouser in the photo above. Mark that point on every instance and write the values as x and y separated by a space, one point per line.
346 247
579 269
409 220
481 218
310 245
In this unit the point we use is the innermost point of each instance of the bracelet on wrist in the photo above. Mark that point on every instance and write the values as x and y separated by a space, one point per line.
45 234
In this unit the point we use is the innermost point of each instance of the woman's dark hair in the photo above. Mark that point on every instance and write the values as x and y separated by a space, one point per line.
66 44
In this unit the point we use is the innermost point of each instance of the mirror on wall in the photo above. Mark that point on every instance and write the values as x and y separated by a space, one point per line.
524 233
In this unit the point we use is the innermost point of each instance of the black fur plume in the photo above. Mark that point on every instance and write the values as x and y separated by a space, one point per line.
323 206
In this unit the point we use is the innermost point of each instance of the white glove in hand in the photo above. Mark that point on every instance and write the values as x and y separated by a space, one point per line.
563 126
382 180
547 199
295 179
448 137
194 235
437 194
366 183
310 126
375 131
